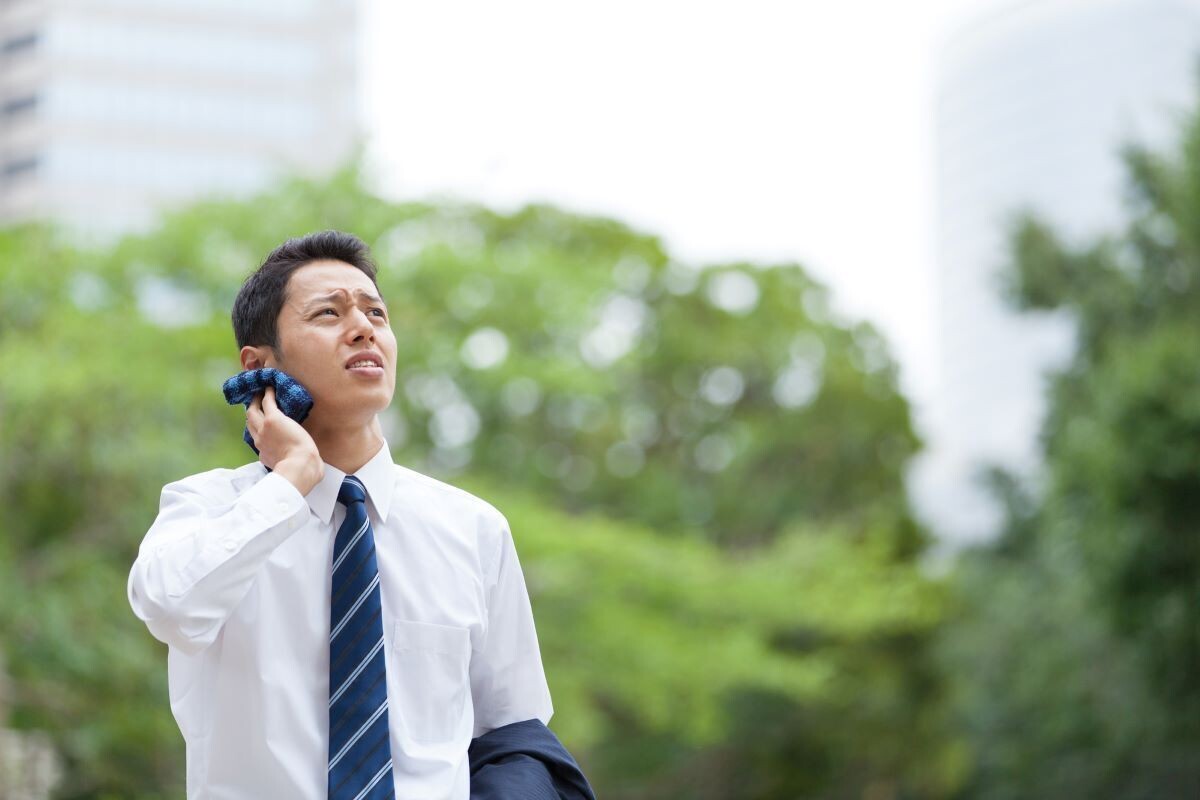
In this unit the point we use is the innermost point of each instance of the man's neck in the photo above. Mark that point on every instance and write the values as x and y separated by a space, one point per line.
346 447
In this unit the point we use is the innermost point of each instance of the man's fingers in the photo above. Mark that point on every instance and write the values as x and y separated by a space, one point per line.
254 415
268 401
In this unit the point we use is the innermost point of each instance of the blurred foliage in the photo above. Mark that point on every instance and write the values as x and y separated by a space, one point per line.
702 468
1076 637
703 472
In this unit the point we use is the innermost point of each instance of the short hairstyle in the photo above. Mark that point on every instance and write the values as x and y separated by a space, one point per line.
261 298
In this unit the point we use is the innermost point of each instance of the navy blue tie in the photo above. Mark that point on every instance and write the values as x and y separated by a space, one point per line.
360 754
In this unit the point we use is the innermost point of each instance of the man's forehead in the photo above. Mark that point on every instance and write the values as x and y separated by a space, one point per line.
323 279
336 293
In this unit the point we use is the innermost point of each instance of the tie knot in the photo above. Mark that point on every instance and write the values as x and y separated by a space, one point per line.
352 491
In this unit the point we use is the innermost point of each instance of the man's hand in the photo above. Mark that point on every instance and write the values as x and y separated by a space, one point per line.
283 444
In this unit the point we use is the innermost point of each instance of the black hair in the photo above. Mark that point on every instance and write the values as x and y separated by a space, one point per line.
261 298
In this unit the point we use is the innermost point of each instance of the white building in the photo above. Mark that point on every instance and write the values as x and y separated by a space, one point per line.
111 109
1034 103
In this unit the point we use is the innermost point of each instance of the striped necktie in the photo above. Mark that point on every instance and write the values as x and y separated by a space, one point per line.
360 754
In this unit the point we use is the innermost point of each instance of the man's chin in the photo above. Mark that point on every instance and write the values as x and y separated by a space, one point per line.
352 405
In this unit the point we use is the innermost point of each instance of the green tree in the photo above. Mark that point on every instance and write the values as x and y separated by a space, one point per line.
701 466
1079 633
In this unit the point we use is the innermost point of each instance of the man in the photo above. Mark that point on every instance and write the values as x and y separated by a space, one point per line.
338 625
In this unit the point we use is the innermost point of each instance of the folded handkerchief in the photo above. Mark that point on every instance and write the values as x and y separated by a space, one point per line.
292 398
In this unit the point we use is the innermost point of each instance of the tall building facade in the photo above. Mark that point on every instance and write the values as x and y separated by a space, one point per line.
1034 102
113 109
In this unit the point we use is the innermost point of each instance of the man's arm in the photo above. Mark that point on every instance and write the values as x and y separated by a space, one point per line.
508 683
198 561
199 558
513 753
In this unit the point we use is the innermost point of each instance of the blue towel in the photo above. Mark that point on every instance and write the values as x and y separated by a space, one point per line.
524 761
292 398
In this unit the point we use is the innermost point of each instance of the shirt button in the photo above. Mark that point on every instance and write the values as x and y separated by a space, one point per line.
229 544
282 505
295 523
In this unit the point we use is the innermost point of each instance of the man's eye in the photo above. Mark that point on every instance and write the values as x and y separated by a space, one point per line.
327 311
379 311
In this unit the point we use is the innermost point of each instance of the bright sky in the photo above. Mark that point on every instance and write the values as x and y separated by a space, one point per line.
758 130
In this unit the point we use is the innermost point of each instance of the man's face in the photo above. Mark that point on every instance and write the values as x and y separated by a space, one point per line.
335 337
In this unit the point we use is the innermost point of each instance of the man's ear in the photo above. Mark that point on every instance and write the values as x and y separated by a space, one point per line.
257 357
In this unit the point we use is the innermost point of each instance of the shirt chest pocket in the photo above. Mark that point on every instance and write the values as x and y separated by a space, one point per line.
433 678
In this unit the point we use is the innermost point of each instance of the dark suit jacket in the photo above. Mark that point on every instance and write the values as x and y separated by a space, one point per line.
524 761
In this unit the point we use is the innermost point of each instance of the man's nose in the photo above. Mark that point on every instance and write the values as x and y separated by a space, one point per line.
361 327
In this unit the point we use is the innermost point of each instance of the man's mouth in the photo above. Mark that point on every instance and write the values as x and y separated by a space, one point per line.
366 364
366 371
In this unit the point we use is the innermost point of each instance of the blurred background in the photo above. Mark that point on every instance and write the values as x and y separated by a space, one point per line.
835 364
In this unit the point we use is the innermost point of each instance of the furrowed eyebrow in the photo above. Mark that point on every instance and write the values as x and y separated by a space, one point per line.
340 295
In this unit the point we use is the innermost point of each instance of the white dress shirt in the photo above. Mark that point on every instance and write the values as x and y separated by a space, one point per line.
234 576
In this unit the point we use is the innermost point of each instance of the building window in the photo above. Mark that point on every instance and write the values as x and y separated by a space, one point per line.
16 44
19 167
19 105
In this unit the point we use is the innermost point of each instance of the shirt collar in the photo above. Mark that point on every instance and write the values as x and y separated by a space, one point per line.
378 476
